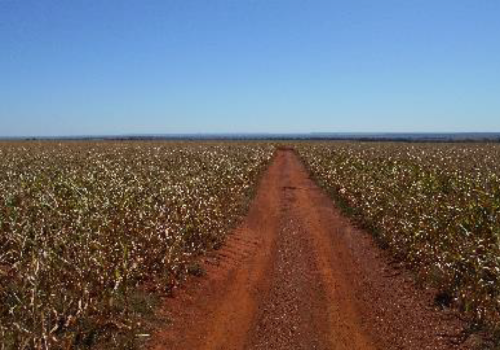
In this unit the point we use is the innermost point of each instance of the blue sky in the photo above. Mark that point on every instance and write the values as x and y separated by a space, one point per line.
161 66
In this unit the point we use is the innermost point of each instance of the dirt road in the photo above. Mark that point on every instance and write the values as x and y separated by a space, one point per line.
298 275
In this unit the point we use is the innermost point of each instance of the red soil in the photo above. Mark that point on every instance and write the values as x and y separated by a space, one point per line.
298 275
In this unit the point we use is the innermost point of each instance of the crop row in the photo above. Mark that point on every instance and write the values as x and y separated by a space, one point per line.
436 206
84 225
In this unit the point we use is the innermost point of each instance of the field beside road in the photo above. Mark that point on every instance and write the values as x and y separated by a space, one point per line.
435 206
89 231
249 245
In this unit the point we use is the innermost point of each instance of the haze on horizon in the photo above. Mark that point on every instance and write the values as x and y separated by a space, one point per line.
92 67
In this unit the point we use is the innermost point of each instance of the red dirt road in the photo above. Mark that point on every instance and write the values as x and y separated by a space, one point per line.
298 275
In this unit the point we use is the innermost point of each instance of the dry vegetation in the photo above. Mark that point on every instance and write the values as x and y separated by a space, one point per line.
85 226
89 230
436 206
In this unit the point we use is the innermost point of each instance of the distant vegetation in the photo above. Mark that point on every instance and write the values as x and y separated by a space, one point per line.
436 206
84 227
318 136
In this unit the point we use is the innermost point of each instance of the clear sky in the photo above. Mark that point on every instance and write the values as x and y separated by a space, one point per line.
175 66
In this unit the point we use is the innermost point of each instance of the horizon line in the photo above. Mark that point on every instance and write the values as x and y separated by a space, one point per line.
262 135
